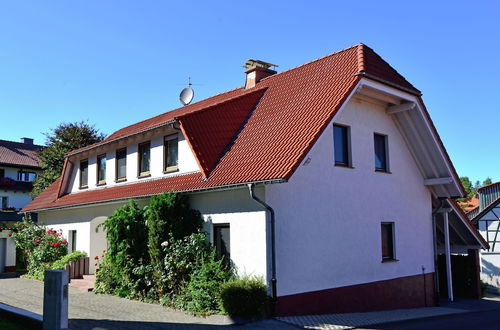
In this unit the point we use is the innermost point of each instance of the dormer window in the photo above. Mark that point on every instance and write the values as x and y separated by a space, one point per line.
171 153
121 164
84 174
101 169
144 159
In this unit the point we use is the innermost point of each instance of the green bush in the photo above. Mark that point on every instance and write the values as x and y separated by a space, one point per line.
201 296
168 216
244 297
73 256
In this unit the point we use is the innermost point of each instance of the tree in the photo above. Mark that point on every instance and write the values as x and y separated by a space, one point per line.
487 181
60 140
469 188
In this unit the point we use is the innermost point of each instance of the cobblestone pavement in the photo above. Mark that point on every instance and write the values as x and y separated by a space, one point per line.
91 311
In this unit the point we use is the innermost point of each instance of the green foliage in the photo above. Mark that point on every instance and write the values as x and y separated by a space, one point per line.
126 233
244 297
202 294
40 247
181 257
487 181
60 140
169 216
64 261
159 254
470 191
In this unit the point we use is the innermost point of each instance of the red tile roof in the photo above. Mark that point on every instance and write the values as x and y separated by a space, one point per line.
251 135
470 204
19 154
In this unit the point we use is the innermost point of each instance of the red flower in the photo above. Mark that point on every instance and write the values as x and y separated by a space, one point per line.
96 258
41 247
10 235
42 239
56 244
65 242
26 251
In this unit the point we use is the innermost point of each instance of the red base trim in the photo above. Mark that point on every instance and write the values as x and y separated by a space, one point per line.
10 269
403 292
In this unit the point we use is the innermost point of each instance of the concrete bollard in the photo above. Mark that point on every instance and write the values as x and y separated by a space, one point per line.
55 300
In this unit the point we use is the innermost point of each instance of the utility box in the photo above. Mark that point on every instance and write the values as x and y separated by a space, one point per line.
55 300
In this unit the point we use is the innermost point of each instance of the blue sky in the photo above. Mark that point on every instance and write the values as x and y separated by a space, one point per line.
117 62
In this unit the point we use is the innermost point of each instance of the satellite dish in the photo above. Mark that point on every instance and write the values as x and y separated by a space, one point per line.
186 96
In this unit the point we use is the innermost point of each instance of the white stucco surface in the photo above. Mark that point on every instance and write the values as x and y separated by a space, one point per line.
328 218
187 163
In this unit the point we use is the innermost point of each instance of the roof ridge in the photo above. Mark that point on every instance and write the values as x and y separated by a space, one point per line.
315 60
488 185
21 143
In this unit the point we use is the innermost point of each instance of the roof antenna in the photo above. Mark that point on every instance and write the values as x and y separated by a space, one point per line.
187 93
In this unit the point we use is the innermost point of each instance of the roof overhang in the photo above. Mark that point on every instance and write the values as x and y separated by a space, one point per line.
414 123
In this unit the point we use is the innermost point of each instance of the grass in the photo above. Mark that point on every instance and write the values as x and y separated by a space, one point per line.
8 324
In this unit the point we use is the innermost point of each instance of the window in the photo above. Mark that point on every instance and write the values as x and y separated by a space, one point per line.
144 158
170 153
84 173
121 164
101 169
26 176
5 202
387 241
72 240
222 241
2 173
341 145
381 159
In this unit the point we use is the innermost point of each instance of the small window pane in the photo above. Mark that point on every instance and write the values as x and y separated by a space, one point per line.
222 240
2 173
171 153
144 154
5 203
121 163
380 152
387 241
341 144
101 169
84 173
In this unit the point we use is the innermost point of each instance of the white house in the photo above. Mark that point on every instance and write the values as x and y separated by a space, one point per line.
327 179
486 216
19 166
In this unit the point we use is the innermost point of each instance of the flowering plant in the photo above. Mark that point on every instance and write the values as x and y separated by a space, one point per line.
39 246
7 183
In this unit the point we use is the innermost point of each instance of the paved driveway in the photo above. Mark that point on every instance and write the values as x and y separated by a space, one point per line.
91 311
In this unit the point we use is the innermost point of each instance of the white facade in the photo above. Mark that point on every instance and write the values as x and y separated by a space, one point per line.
328 218
246 219
187 162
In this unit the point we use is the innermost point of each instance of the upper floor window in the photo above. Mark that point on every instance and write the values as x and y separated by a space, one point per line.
341 146
171 153
121 164
26 176
387 229
2 173
101 169
381 154
144 159
84 173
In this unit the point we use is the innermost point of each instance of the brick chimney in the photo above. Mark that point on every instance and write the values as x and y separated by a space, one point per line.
26 140
256 71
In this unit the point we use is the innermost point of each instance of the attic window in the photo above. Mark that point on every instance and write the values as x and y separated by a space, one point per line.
341 141
381 154
171 153
144 159
101 169
84 174
121 164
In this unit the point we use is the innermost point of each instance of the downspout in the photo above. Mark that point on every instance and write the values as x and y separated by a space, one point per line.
434 234
274 294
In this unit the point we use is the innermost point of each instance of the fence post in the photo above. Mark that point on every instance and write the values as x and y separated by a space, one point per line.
55 300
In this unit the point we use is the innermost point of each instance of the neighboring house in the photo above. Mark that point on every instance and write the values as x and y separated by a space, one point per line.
19 166
486 217
326 179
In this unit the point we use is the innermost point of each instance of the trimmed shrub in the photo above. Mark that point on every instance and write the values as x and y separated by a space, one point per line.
245 297
73 256
202 294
